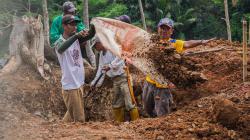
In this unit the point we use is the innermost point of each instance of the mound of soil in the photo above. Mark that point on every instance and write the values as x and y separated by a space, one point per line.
216 109
182 71
226 113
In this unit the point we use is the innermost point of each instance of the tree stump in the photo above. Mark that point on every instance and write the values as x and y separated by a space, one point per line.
26 45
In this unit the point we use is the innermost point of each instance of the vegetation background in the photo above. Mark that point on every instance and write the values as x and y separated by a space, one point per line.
194 19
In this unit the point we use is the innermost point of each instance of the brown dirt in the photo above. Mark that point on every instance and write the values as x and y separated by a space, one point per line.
30 112
32 108
180 70
226 113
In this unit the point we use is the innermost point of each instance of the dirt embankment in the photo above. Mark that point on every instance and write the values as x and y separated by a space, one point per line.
31 111
215 109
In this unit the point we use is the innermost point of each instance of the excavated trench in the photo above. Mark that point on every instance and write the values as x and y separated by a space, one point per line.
216 108
178 69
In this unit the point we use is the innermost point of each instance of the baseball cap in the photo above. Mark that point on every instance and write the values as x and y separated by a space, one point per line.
70 18
166 21
68 6
124 18
95 40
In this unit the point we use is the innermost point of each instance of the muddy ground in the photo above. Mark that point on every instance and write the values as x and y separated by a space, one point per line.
32 108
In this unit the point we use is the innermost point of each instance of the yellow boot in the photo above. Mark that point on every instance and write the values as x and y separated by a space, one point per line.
119 114
134 114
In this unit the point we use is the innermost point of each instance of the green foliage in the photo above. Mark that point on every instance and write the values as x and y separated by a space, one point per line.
218 2
194 19
97 3
113 10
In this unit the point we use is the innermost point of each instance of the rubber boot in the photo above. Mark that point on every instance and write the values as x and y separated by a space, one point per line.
134 114
119 114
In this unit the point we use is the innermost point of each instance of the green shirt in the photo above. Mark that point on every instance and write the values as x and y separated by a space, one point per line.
57 29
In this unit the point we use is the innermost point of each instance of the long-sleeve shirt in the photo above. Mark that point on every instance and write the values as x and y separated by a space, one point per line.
56 31
115 64
71 64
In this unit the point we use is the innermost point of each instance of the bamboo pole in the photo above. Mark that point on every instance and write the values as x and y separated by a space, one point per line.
244 49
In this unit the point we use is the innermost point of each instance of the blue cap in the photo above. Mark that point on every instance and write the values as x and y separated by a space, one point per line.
124 18
166 21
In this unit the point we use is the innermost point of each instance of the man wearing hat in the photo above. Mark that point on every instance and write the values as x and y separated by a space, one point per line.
56 29
157 98
113 66
71 64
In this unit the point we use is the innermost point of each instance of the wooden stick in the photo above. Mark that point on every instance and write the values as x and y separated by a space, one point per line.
244 50
204 51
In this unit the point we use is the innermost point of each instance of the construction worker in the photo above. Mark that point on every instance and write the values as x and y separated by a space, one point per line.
57 29
157 98
69 55
113 66
127 19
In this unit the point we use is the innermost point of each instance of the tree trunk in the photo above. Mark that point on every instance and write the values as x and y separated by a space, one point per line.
227 21
142 15
29 6
26 45
48 51
86 12
234 2
89 51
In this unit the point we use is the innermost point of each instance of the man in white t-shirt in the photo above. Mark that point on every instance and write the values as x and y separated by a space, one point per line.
71 64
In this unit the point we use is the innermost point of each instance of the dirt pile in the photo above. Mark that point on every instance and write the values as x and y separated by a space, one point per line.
98 102
187 123
182 71
195 120
216 109
226 113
